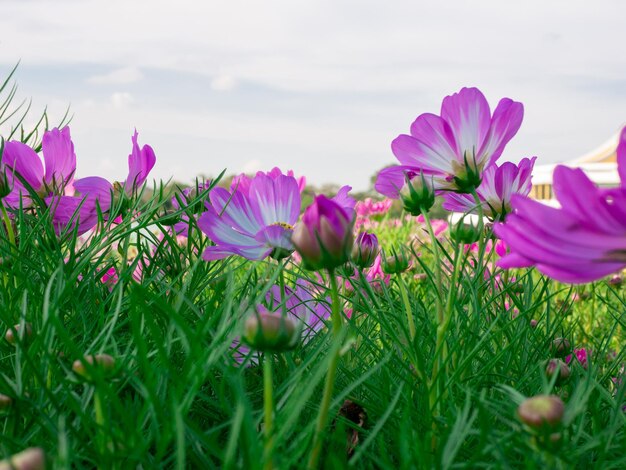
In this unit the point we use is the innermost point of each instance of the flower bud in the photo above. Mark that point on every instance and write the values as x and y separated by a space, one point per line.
541 411
5 402
616 281
365 250
11 336
533 323
104 363
560 347
270 331
417 194
396 263
559 368
32 458
324 236
465 233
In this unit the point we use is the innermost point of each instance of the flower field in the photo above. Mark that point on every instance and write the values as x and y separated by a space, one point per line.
238 326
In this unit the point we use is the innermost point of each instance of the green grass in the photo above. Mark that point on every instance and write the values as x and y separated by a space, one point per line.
177 399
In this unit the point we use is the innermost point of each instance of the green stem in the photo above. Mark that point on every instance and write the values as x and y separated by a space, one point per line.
407 306
7 224
440 360
322 417
268 411
481 226
100 421
435 250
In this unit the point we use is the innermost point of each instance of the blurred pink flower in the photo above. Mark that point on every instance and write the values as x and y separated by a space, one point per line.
582 241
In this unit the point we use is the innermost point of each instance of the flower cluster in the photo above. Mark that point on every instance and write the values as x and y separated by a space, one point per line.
74 204
453 154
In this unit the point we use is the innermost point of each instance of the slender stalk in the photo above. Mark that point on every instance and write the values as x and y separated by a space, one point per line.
481 226
435 250
100 421
322 416
7 224
268 412
407 306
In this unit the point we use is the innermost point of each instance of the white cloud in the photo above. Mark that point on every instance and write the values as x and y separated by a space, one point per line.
121 99
118 76
223 83
252 166
327 89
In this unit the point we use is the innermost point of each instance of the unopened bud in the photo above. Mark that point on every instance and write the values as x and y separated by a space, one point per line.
541 411
465 233
11 336
559 368
616 281
5 402
103 363
417 194
365 250
560 347
396 263
272 332
32 458
533 323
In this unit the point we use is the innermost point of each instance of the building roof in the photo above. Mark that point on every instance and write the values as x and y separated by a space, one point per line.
599 164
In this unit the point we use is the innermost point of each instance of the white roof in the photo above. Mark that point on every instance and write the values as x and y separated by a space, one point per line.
599 171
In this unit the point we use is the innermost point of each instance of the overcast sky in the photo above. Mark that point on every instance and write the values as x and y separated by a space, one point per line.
320 87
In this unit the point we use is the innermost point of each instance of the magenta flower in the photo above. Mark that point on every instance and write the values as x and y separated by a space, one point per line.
455 147
22 161
582 241
498 185
324 236
140 162
72 202
253 223
582 356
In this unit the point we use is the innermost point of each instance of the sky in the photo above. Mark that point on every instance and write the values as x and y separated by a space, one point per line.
321 87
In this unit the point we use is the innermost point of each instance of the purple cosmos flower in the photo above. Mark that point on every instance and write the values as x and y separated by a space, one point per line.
582 241
71 202
455 147
140 162
253 223
498 185
301 307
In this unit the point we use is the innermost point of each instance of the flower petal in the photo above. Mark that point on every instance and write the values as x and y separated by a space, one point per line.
22 159
506 121
467 112
58 153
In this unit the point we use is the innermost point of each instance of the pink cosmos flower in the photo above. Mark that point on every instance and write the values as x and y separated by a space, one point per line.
454 148
498 185
71 202
582 241
253 222
582 356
